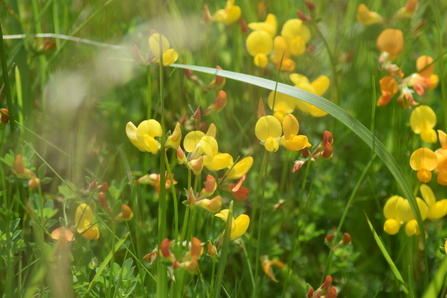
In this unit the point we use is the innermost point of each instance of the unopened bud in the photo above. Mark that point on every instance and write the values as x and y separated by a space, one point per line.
164 248
211 250
310 293
327 137
92 185
191 200
19 167
305 152
329 238
181 158
207 18
202 126
197 114
4 116
210 185
310 5
48 45
297 165
346 239
301 15
244 27
33 183
196 247
102 200
218 105
126 212
261 110
212 205
327 151
220 81
327 283
104 187
332 293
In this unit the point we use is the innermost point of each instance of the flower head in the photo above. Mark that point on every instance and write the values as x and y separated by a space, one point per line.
281 55
318 87
63 235
169 55
259 44
268 130
270 25
230 14
240 168
422 121
408 10
297 35
84 222
143 136
367 17
239 225
424 161
267 267
391 41
291 140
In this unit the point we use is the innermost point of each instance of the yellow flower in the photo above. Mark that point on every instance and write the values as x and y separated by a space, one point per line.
424 161
268 130
198 144
422 121
229 15
270 25
283 104
174 139
441 154
143 136
169 55
241 168
212 205
219 162
290 139
83 219
267 267
238 226
391 41
259 44
318 87
408 10
436 209
297 35
367 17
281 54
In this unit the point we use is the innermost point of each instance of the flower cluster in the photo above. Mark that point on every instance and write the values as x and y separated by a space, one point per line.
398 212
326 290
262 42
367 17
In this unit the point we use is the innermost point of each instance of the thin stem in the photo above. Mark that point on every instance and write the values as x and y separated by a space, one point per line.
174 196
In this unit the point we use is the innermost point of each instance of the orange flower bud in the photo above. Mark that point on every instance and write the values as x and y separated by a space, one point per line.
102 200
310 293
305 152
244 27
126 212
212 205
196 247
181 158
104 187
301 15
211 250
197 114
329 238
4 116
218 105
165 249
327 151
327 137
196 165
19 167
327 283
191 200
297 165
34 182
219 81
332 293
92 185
346 239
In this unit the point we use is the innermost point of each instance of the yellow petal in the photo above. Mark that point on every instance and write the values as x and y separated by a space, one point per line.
260 60
297 143
280 49
259 42
389 210
422 118
174 139
429 135
223 214
283 103
267 127
367 17
423 208
428 195
298 79
297 46
148 127
422 66
290 126
403 211
271 144
316 112
240 168
270 25
293 28
154 44
392 42
192 139
209 146
169 57
91 232
437 210
423 158
150 144
391 226
321 84
212 130
219 162
412 228
241 225
83 217
442 139
131 132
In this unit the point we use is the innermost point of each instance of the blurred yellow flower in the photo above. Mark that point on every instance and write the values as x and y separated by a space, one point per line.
318 87
270 25
238 226
291 140
259 44
229 14
197 143
391 42
83 219
169 55
219 162
268 130
408 10
240 168
297 35
424 161
441 154
367 17
436 209
388 87
143 136
212 205
422 121
267 267
281 104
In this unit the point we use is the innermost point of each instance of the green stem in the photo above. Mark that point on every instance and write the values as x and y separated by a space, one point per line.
174 196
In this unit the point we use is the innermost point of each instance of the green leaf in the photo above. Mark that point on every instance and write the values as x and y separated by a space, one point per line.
42 171
436 284
387 256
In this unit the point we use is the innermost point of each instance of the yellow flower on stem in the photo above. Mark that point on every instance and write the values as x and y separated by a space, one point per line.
291 140
239 225
388 87
367 17
259 44
240 168
219 162
390 43
270 25
169 55
318 87
281 55
424 161
408 10
268 130
436 209
441 154
230 14
281 104
297 35
422 121
143 136
84 222
173 141
197 143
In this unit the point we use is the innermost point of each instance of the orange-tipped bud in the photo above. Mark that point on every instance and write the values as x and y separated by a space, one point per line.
239 193
104 187
126 212
196 247
102 200
261 110
220 81
196 165
301 15
327 151
310 293
297 165
218 105
33 183
310 5
92 185
4 116
327 283
332 293
197 114
327 137
211 250
329 238
191 200
346 239
165 249
181 157
210 187
305 152
19 167
207 18
212 205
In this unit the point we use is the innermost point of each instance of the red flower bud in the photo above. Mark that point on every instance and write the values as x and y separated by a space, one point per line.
310 293
164 248
244 27
92 185
327 137
305 152
310 5
197 114
4 116
104 187
301 15
329 238
327 283
102 200
332 293
346 239
298 164
327 151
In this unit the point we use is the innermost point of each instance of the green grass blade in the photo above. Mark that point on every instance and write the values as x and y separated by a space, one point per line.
387 256
436 284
